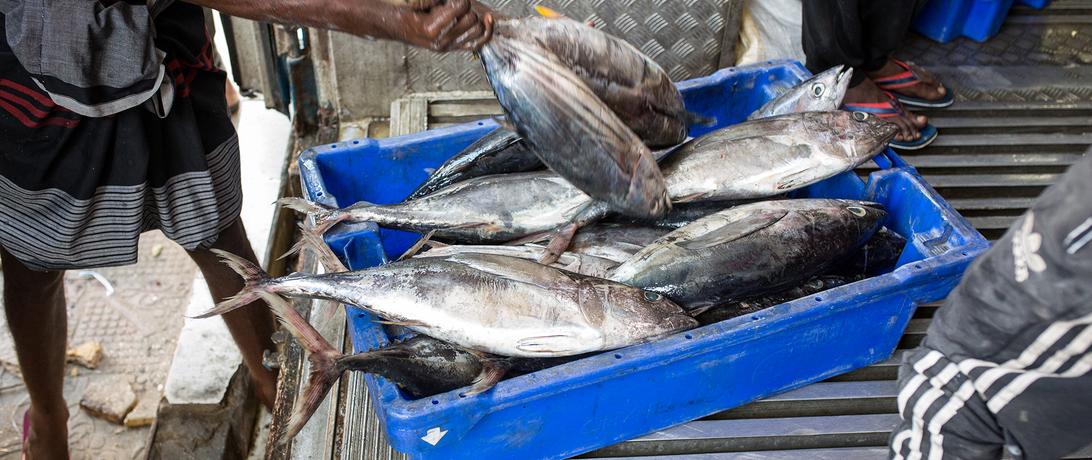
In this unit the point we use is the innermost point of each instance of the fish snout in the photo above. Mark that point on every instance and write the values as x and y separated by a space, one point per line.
845 74
876 126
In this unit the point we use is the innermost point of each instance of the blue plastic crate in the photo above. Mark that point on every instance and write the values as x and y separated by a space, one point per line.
1037 4
604 399
944 20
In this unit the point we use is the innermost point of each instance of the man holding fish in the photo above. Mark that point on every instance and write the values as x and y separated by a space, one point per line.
113 122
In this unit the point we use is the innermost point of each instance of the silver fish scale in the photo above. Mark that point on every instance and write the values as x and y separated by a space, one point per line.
683 36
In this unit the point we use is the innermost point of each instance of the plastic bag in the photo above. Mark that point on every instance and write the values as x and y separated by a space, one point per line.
770 29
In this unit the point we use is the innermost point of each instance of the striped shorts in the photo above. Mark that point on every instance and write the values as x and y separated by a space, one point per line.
77 192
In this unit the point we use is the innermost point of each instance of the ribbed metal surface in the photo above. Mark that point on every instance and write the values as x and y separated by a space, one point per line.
683 36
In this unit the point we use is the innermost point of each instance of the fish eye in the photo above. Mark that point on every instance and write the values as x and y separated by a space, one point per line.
857 211
860 116
652 296
818 89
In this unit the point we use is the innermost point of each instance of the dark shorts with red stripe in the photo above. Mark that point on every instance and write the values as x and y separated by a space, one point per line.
77 192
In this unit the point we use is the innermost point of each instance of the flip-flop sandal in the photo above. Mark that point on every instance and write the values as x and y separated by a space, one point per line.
891 109
907 77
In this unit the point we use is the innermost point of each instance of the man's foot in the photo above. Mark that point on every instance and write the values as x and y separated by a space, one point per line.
868 93
46 434
911 84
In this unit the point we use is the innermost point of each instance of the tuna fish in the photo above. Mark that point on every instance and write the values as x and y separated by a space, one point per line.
499 152
751 249
771 156
821 93
489 209
494 304
568 127
879 255
583 264
634 86
680 214
421 366
616 243
754 304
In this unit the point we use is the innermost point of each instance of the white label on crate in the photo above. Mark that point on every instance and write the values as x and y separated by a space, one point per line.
434 435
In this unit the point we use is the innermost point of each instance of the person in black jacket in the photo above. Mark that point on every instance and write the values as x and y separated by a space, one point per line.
1005 364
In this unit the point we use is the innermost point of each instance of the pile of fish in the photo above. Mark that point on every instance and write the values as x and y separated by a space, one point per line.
556 237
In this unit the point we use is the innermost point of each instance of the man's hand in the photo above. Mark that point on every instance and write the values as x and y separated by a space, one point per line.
439 25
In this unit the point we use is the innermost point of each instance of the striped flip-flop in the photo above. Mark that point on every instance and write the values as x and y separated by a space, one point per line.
893 83
891 109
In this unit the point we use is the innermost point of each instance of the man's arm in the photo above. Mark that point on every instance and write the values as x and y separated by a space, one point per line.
434 24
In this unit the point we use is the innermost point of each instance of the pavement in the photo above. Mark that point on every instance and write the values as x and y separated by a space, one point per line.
138 325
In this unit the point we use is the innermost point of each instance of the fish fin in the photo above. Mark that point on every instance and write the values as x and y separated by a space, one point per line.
493 371
558 244
734 230
311 240
688 198
547 12
504 123
325 370
697 311
413 250
507 268
255 282
410 324
793 180
325 217
432 244
549 344
534 238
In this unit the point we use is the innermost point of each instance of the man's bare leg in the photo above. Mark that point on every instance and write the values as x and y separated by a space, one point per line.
35 307
251 326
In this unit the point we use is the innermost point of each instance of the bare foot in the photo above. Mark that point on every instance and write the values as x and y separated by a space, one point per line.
929 88
48 435
868 93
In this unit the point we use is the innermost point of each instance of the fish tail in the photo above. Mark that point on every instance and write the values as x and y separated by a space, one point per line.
255 281
325 217
311 240
324 359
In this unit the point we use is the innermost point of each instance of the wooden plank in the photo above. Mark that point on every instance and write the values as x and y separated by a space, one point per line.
712 436
885 370
409 115
990 180
821 399
942 121
960 140
985 160
992 222
991 204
